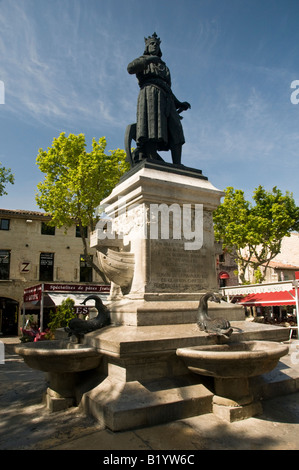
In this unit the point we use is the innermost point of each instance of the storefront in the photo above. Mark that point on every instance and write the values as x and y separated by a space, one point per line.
278 300
41 298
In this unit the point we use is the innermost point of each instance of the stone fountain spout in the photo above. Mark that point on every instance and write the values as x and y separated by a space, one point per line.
79 327
220 327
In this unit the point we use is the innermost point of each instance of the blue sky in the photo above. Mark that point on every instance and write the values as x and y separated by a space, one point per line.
64 69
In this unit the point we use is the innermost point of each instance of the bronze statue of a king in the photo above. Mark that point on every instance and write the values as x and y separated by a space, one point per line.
158 124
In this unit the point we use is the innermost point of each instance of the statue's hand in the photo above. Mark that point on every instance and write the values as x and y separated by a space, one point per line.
184 106
153 59
139 64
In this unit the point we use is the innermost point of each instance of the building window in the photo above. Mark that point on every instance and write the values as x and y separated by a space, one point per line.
78 234
222 258
47 229
4 264
46 267
4 224
85 270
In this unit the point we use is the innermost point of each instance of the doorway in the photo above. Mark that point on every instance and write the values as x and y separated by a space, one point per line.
9 310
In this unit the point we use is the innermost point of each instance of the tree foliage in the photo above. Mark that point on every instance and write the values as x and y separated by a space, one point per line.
62 316
254 232
5 177
76 181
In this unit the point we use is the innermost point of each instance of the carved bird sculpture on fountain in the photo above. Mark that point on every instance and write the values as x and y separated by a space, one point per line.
218 326
79 327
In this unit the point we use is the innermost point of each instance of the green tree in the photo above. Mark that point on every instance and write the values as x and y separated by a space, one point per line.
62 316
76 181
254 232
5 177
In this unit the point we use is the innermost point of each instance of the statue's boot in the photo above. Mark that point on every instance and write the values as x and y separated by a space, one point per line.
149 150
176 154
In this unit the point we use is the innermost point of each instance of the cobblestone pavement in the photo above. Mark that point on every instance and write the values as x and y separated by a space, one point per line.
25 423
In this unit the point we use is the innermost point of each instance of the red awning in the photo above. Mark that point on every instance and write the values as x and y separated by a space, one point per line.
269 299
223 275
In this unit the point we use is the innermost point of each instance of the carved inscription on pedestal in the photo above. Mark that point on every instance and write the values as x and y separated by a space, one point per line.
173 269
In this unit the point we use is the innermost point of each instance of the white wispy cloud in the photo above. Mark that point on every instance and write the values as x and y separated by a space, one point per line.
68 79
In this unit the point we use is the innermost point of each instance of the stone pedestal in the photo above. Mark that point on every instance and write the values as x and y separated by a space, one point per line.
233 400
159 247
61 393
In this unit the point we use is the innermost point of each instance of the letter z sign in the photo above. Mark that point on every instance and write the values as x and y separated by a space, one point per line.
25 267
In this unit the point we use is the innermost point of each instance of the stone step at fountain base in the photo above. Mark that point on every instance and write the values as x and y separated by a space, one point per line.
123 340
237 413
282 380
127 405
168 309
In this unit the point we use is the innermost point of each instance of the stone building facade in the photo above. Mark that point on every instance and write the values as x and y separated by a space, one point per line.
226 267
284 265
32 252
281 268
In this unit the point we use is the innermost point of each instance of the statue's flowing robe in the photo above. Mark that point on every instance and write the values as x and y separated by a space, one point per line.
157 117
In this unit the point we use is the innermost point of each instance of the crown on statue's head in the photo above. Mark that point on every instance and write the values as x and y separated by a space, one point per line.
151 38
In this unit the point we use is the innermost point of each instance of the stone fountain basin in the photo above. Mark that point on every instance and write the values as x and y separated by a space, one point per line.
233 360
59 356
